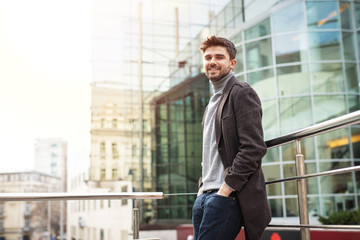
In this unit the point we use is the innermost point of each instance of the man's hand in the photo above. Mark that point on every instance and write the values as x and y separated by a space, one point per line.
200 191
224 191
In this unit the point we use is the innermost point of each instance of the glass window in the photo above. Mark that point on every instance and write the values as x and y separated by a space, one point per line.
351 77
322 15
291 48
289 18
312 185
336 204
272 172
293 80
333 145
345 15
239 67
263 83
290 171
102 174
269 120
328 107
340 183
272 155
348 42
259 30
327 77
292 209
237 38
314 206
355 140
307 149
276 207
295 113
357 13
258 54
358 37
324 46
354 103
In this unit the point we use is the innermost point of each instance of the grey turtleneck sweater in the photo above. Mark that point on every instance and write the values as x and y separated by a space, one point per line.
212 168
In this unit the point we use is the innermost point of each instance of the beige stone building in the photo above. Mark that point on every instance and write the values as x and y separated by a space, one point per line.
115 136
20 220
100 219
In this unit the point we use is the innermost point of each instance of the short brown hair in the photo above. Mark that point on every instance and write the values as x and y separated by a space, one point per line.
214 41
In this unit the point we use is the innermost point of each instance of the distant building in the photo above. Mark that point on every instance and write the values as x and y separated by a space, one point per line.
30 219
99 219
115 145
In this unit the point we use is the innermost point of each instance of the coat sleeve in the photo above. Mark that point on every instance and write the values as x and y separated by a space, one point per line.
250 146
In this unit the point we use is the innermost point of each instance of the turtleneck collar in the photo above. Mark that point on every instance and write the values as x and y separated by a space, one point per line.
219 85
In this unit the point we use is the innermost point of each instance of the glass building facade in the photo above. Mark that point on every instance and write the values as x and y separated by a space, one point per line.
302 58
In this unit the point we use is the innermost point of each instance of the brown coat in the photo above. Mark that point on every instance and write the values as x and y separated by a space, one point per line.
241 146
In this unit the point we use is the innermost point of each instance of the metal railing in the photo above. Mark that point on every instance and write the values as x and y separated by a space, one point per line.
297 136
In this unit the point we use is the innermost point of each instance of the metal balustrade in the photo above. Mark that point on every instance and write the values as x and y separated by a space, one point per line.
297 137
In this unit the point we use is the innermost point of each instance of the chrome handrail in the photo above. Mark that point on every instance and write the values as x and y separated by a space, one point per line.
323 127
79 196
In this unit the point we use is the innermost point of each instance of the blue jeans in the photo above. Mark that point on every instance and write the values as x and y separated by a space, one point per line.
216 217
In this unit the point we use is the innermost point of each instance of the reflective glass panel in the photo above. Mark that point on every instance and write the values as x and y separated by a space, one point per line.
348 42
334 145
259 30
263 83
292 209
355 140
290 171
327 77
291 48
272 155
328 107
322 15
258 54
324 45
276 207
336 204
293 80
269 119
357 13
354 103
351 77
314 206
295 113
341 183
358 37
237 38
307 149
239 67
345 15
312 184
289 18
272 173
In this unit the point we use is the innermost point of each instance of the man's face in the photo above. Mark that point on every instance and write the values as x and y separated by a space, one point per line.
217 63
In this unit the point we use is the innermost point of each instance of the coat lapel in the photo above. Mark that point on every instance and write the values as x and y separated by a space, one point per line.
220 107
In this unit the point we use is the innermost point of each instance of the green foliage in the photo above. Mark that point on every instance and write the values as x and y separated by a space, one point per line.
342 218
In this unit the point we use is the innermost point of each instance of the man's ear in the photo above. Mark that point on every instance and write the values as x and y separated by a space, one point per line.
232 63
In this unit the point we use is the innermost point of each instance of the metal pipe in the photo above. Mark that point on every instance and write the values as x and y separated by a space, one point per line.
78 196
302 192
323 127
135 223
326 173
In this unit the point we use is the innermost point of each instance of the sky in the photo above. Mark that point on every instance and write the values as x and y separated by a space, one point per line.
45 76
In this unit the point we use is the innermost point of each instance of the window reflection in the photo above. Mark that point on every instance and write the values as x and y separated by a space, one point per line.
259 30
333 145
289 19
276 207
348 43
324 45
263 82
290 48
336 204
292 209
328 107
239 67
351 77
295 113
327 77
322 15
293 80
258 54
272 173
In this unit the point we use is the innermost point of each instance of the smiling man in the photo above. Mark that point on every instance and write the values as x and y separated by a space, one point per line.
232 190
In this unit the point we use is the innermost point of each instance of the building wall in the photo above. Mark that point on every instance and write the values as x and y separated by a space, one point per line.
19 219
302 58
99 219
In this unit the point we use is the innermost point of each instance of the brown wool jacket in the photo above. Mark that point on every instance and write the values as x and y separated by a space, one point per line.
241 146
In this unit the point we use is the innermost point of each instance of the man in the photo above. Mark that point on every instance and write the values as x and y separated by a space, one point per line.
232 190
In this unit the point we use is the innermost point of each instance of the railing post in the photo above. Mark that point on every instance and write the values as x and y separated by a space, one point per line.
302 192
135 221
